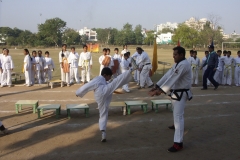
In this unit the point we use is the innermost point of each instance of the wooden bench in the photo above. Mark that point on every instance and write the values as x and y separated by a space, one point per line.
52 82
42 107
160 102
119 104
136 103
20 103
78 106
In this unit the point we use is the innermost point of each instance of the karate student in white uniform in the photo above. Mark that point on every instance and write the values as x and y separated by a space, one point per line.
85 63
42 64
27 68
38 64
228 61
73 60
190 55
195 64
49 67
237 69
7 67
144 65
204 59
218 74
103 93
0 58
178 81
63 56
34 72
136 72
125 66
3 130
117 57
125 49
102 58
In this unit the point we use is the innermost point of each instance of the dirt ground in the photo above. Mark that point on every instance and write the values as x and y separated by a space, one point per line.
211 127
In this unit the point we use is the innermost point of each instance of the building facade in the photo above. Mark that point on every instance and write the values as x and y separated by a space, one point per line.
92 35
164 38
168 25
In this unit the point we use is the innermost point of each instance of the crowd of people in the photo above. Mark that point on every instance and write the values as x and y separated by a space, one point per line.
222 67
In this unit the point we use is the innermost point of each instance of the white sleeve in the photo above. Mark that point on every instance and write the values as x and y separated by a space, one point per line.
11 62
90 86
60 57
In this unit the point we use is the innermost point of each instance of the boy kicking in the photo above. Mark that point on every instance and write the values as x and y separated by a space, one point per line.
103 93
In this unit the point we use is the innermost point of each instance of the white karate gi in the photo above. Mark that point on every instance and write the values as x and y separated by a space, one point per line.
49 66
33 73
65 77
103 93
195 64
219 73
7 66
42 65
39 63
27 69
124 51
125 67
73 60
178 77
227 71
85 62
136 72
144 62
237 71
204 69
119 58
0 71
101 58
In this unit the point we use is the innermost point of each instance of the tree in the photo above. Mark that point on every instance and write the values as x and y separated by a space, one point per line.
51 31
166 30
113 36
188 36
128 34
71 37
138 35
150 38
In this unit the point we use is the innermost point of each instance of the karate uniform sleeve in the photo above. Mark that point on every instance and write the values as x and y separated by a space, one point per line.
100 60
90 86
164 78
122 79
80 60
60 57
11 62
172 78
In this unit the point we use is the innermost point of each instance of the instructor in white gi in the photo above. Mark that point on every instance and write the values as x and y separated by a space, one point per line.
178 81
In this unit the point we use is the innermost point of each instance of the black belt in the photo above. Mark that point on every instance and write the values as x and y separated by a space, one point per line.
147 64
179 97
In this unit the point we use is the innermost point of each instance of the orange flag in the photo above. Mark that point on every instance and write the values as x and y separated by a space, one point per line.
154 60
178 43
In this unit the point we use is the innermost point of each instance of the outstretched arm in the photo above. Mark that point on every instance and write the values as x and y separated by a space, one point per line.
92 85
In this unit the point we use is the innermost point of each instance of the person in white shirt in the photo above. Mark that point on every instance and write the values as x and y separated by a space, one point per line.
64 65
27 67
125 66
237 69
85 63
228 61
219 74
49 67
73 61
105 60
144 65
204 59
7 67
136 72
177 81
117 60
190 55
195 64
38 66
33 62
0 58
41 64
103 93
125 49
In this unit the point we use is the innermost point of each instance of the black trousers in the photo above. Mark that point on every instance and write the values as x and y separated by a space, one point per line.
208 74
